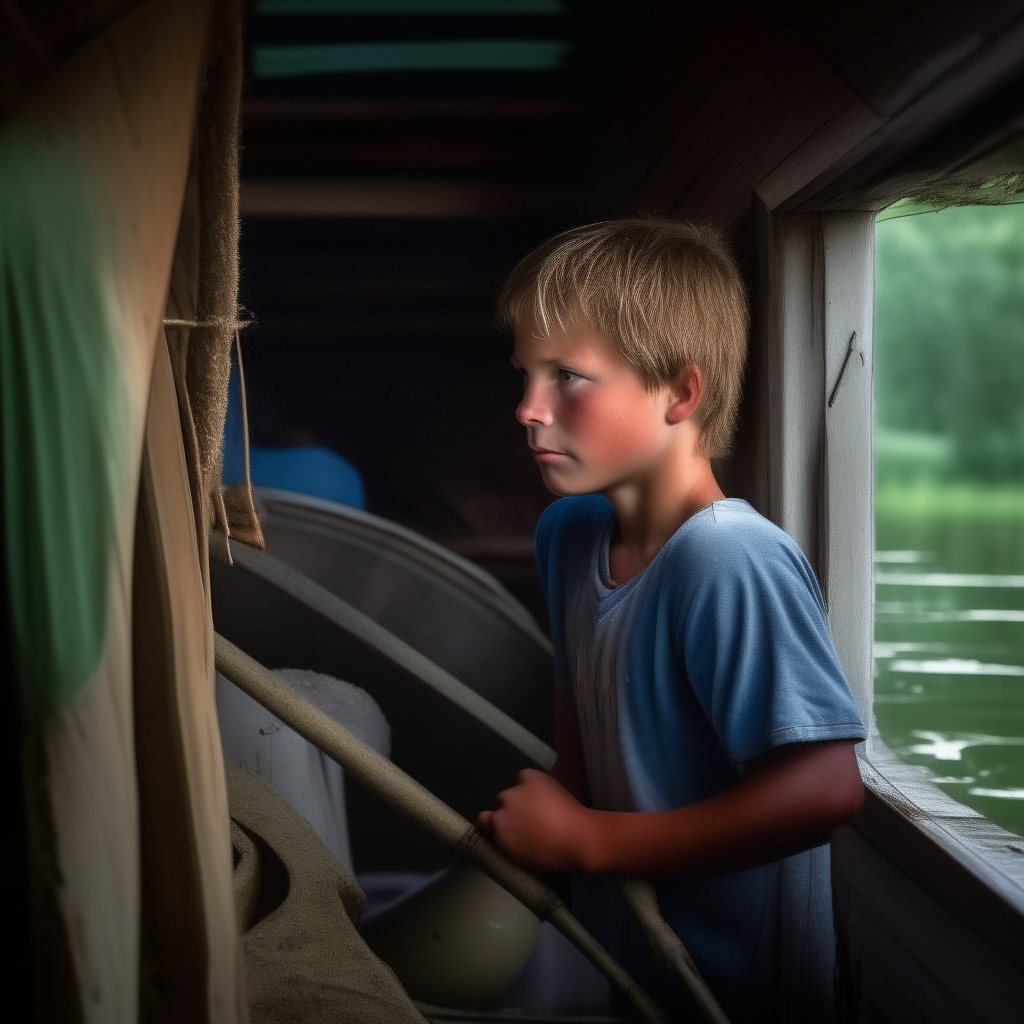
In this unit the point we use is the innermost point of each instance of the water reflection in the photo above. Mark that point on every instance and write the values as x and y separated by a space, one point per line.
949 654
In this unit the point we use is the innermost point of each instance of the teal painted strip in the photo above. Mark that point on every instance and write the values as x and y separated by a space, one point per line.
63 419
454 55
475 8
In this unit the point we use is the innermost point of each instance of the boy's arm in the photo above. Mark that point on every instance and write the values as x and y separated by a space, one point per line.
786 799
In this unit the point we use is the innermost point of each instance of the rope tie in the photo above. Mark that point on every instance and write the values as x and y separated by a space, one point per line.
230 322
468 841
547 905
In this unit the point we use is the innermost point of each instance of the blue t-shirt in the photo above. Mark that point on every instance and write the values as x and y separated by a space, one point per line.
715 653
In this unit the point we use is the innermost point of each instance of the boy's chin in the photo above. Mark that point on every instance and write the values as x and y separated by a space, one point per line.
558 485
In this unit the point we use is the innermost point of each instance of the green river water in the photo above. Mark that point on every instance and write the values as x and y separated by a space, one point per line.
949 639
949 499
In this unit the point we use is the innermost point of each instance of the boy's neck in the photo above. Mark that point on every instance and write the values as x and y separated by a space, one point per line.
648 511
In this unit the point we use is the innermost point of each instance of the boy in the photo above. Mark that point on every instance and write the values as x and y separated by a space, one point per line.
705 732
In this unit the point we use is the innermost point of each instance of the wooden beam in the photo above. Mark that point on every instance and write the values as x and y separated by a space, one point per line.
315 198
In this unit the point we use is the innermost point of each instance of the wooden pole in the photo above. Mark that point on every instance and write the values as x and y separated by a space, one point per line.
406 795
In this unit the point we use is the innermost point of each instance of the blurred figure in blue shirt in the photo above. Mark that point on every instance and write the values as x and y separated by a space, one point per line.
305 467
309 469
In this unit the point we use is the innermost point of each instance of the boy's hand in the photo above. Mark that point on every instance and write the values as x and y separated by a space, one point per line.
538 823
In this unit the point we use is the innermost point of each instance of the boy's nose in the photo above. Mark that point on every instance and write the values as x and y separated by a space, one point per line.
532 409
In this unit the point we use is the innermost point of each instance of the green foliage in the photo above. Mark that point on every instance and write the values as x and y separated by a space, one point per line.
972 190
949 343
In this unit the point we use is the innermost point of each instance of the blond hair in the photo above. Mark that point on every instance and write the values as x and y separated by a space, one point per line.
667 294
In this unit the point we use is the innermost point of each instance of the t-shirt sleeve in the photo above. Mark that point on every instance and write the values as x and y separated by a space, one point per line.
754 638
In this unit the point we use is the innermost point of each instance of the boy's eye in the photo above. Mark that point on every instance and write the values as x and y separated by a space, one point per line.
567 376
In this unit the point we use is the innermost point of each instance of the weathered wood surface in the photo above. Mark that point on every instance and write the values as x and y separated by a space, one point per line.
813 463
805 105
929 900
117 97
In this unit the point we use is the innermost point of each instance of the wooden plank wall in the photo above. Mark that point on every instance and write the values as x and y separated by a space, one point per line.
718 100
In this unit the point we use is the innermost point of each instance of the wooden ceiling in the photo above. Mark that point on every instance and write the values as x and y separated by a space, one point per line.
812 105
373 134
420 156
490 143
685 109
663 106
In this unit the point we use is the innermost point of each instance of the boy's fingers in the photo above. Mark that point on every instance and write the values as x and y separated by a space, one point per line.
483 819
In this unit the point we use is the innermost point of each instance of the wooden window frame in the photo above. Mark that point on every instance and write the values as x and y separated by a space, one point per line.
912 842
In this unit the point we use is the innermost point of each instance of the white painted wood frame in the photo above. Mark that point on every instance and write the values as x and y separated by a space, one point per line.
816 457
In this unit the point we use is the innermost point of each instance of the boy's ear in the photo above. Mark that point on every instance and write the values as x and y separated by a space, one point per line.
685 396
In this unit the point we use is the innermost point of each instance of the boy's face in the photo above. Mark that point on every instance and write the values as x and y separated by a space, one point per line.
590 424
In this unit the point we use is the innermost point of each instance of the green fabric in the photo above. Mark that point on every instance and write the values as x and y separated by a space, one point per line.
64 418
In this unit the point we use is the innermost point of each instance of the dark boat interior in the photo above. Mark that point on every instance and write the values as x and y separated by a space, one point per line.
397 158
382 210
381 213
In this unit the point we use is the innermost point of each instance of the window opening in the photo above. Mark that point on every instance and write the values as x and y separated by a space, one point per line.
949 499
